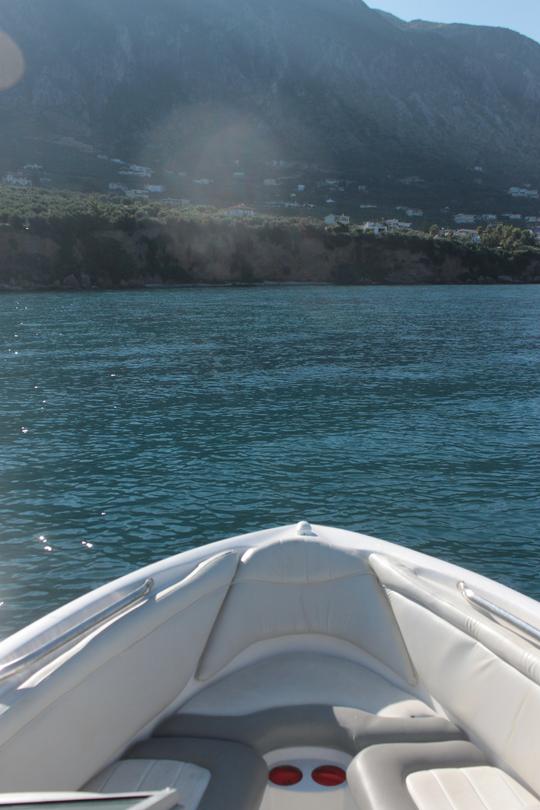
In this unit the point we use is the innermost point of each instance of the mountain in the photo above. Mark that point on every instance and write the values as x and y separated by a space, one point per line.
201 83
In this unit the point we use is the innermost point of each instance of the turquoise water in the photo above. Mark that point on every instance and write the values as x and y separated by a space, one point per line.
144 423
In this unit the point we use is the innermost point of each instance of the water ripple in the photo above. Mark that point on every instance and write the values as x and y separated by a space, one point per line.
135 425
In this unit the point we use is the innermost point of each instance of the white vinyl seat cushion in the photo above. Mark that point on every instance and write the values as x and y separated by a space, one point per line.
281 680
190 781
450 775
480 788
210 774
299 587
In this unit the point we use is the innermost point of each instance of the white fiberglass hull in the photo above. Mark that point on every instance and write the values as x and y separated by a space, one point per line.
303 646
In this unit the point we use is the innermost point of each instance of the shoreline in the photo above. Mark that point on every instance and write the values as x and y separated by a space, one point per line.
261 284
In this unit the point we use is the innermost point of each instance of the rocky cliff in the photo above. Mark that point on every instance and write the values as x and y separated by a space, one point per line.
217 252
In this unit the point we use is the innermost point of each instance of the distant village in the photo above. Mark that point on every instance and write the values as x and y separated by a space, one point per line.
282 192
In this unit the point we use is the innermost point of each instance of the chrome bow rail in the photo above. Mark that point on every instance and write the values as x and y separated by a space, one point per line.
77 631
490 607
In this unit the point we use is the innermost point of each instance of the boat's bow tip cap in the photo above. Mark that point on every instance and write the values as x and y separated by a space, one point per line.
304 529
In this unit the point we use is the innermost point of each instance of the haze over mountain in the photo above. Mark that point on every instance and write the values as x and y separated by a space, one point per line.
329 82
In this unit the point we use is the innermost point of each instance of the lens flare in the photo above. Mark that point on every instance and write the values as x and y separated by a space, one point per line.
11 62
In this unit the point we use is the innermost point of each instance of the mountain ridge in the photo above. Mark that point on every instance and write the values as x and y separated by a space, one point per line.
335 84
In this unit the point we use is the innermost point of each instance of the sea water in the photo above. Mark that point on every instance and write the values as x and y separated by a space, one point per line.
137 424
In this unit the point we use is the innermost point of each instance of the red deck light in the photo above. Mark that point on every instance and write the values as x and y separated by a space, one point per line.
329 775
285 775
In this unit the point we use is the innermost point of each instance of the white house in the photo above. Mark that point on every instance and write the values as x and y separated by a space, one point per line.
489 217
468 235
33 167
513 216
270 181
142 171
240 211
465 219
203 181
411 181
530 193
136 193
376 228
17 181
239 175
155 189
332 219
330 201
397 225
117 187
300 187
414 212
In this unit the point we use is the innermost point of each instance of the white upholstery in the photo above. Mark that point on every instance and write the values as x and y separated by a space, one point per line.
479 788
300 587
127 775
58 731
299 679
498 706
446 603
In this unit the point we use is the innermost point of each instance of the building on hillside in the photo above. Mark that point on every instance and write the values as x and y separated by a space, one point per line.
414 180
375 228
117 187
514 217
396 225
489 217
465 219
270 181
17 180
155 189
144 171
137 193
468 235
333 219
414 212
528 193
203 181
300 187
330 201
241 211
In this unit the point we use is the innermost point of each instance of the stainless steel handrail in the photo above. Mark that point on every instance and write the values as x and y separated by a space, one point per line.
490 607
77 631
